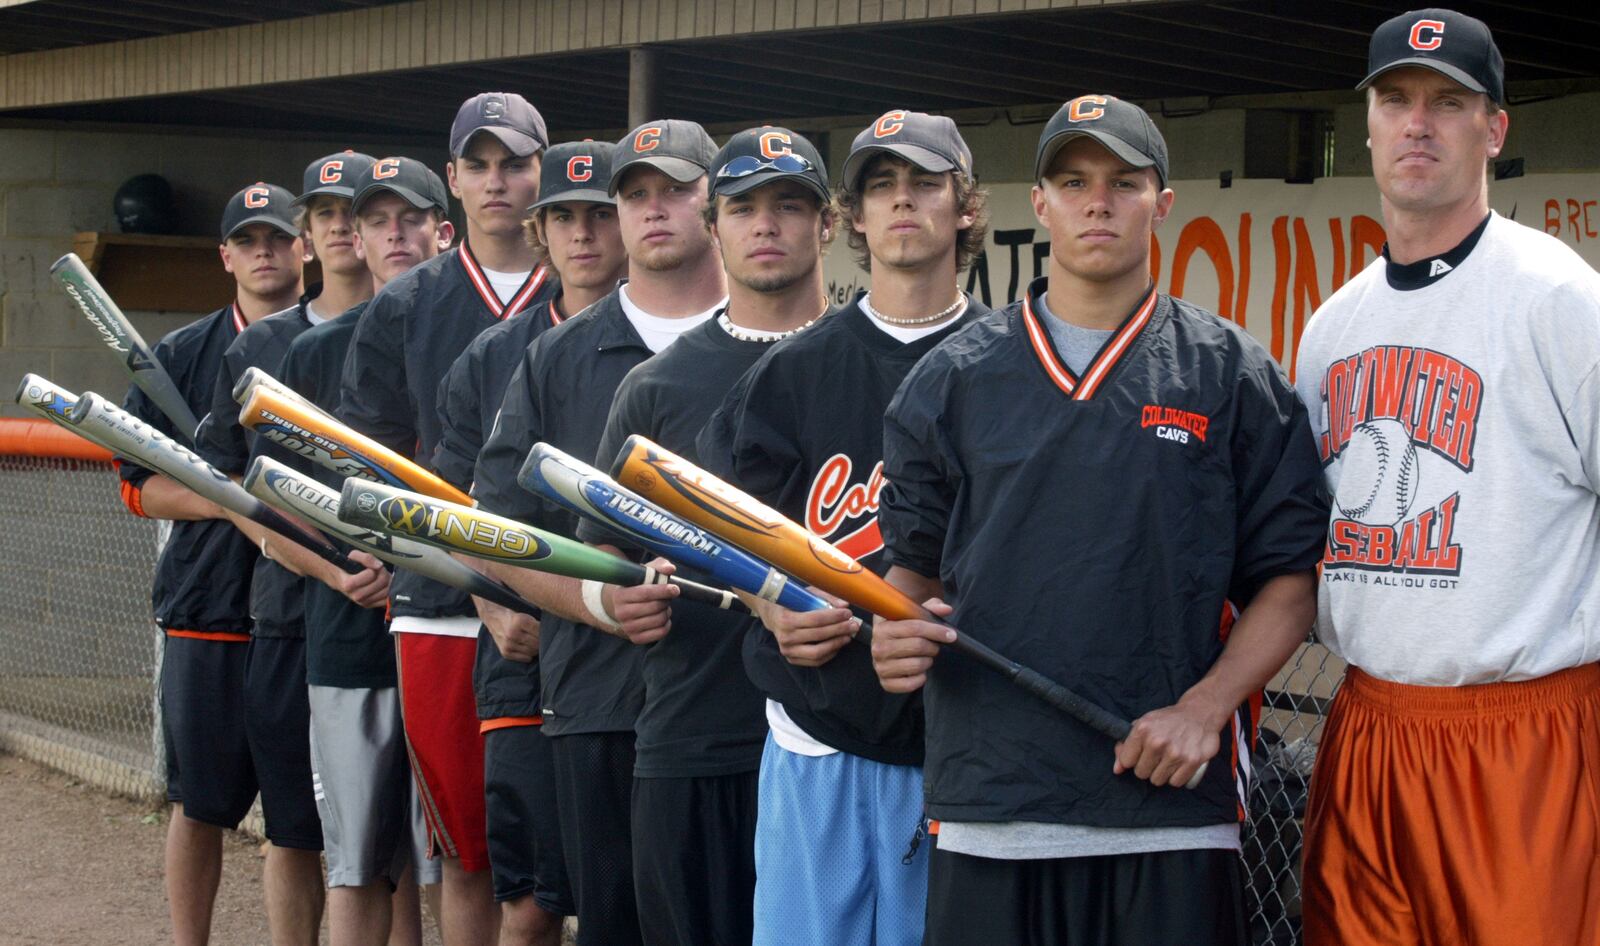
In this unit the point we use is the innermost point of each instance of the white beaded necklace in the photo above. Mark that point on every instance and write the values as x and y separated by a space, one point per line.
951 309
762 335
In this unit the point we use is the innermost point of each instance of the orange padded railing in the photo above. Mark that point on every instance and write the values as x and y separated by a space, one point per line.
36 437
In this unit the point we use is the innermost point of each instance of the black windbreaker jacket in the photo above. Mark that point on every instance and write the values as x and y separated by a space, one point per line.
202 580
803 433
1102 529
561 393
410 334
469 399
277 595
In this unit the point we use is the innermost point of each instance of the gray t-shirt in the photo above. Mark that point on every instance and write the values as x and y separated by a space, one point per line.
1033 840
1075 344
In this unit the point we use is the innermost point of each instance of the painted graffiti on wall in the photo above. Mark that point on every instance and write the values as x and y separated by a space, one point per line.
1262 253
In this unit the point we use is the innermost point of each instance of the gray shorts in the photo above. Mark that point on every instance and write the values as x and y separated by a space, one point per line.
372 827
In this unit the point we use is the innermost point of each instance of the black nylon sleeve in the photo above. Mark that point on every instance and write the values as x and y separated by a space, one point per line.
747 440
518 426
221 440
1281 500
374 397
630 414
460 407
138 403
916 500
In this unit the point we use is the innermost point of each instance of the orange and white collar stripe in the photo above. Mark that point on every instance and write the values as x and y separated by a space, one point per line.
1082 389
239 323
491 299
555 314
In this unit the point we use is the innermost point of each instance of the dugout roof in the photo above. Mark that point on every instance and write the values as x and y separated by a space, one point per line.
367 66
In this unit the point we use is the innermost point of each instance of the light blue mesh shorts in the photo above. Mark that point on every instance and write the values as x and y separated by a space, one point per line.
834 865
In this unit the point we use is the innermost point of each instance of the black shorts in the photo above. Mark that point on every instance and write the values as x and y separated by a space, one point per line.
594 786
209 770
519 785
1190 897
694 859
278 723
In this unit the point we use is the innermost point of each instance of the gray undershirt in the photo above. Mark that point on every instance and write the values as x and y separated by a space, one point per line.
1033 840
1075 344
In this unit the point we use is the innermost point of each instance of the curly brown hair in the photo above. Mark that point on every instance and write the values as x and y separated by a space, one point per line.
530 232
970 199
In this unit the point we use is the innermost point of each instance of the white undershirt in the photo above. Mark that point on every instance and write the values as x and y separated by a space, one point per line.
313 316
658 332
906 334
505 284
462 626
790 736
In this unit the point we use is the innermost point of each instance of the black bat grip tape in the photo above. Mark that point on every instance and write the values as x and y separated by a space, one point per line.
1100 720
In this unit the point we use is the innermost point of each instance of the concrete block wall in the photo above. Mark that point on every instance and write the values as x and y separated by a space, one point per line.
54 183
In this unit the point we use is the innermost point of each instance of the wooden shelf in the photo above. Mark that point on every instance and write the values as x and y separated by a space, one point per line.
161 273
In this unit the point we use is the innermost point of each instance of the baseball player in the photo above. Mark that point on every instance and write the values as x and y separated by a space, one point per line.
402 347
574 229
1096 478
330 231
201 591
1454 387
560 393
702 726
374 837
802 432
277 715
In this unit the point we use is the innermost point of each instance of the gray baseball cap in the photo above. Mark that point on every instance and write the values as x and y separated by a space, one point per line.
507 116
576 171
335 175
679 149
1452 44
408 178
758 156
259 203
1123 128
931 142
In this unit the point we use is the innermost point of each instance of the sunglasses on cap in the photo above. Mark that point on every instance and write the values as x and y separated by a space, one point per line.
746 165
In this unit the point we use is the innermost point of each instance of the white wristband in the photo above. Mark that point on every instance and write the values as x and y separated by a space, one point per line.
596 605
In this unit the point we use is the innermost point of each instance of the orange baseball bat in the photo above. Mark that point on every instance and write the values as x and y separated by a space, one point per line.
328 443
683 488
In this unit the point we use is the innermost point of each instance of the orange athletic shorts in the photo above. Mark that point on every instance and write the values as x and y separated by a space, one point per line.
1457 815
441 722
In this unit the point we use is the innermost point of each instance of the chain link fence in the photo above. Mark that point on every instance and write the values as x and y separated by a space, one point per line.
79 657
78 650
1291 724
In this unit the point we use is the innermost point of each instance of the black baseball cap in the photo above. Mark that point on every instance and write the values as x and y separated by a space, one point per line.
931 142
679 149
576 171
507 116
758 156
335 175
1122 127
260 203
1450 43
409 178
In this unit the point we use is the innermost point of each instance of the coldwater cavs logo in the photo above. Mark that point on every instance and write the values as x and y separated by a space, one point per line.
1402 424
834 503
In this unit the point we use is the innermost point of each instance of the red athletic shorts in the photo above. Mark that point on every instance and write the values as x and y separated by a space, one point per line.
1457 815
441 720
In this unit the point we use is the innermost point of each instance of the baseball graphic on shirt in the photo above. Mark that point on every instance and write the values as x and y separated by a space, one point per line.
1378 479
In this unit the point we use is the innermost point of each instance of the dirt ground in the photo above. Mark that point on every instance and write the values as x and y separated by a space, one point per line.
78 866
